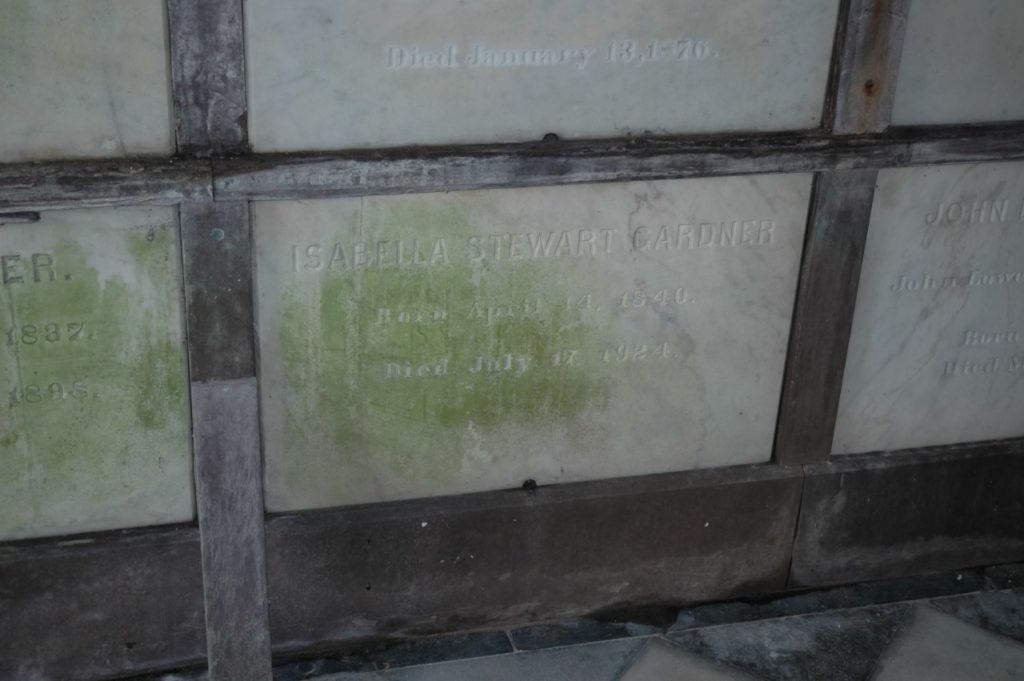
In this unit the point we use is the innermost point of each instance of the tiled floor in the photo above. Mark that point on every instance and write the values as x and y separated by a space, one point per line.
973 637
965 626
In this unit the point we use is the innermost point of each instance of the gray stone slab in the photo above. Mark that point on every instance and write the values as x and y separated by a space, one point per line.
663 662
839 598
961 63
571 632
83 79
836 646
425 345
512 557
101 607
334 74
942 648
591 662
94 425
886 515
937 348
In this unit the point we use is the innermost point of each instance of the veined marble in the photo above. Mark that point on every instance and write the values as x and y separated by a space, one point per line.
326 74
94 421
961 63
937 351
83 79
436 344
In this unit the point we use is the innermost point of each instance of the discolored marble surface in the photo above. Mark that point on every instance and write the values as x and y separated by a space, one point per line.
94 424
423 345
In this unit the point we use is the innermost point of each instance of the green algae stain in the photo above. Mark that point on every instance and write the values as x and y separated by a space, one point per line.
94 383
160 386
401 367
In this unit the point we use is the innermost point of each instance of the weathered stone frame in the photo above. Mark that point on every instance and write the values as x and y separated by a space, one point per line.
368 571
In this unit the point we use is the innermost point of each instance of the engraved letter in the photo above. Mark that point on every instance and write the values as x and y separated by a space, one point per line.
542 247
586 242
360 258
439 256
42 261
381 252
338 256
564 246
999 210
396 58
706 229
978 211
661 242
955 212
608 238
7 268
685 233
313 261
640 241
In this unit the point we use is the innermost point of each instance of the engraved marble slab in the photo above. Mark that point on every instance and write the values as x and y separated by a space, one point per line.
433 344
961 63
93 414
327 74
83 79
937 349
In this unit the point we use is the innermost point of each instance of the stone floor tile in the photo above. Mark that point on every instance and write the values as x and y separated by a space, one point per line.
933 646
576 631
999 611
592 662
661 661
834 646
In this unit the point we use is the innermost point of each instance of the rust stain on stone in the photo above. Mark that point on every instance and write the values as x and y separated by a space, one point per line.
875 47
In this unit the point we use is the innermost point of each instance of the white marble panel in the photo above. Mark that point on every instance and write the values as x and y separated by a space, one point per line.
83 79
937 350
961 63
327 74
435 344
94 411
